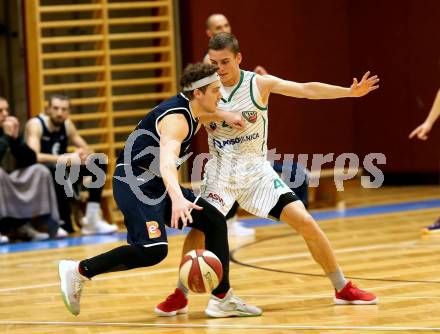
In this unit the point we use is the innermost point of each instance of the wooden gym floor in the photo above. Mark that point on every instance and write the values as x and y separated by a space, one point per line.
377 241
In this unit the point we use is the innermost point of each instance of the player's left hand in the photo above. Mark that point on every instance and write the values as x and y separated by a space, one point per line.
421 131
366 85
181 209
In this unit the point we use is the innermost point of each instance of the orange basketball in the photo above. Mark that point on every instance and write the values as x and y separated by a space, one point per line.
201 271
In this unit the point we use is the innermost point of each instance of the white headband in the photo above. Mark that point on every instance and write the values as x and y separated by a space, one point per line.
202 82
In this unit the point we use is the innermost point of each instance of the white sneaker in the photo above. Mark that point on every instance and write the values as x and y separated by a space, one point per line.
96 225
28 231
3 239
230 306
71 282
236 229
61 233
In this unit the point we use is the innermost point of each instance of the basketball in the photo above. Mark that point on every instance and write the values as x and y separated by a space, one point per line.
200 271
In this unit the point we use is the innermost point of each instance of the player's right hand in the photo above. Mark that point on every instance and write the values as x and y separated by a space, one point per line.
181 209
235 120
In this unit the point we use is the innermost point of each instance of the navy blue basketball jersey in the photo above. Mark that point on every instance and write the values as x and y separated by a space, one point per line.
142 148
53 142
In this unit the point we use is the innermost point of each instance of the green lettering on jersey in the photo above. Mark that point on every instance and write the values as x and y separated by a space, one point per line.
225 125
278 184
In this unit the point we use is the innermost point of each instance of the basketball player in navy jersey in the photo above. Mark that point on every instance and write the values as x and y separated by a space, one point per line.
421 132
147 191
48 135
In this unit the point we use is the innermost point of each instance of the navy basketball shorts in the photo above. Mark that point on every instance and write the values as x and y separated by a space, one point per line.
145 205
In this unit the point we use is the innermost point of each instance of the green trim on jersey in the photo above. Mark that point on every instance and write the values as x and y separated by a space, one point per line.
264 133
235 89
253 99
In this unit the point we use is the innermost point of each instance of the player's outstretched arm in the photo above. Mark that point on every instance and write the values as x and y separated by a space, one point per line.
423 129
173 129
315 90
235 120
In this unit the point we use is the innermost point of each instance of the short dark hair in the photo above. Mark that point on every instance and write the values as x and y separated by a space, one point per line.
3 99
194 72
224 40
59 97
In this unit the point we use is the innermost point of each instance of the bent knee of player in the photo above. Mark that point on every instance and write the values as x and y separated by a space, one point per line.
217 224
308 226
210 220
152 255
297 216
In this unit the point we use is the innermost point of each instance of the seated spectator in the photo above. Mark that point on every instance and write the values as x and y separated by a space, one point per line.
26 188
48 135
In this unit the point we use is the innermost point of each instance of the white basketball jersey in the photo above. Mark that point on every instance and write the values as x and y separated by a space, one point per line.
239 148
239 170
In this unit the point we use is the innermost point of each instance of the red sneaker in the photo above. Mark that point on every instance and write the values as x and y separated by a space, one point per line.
176 303
351 294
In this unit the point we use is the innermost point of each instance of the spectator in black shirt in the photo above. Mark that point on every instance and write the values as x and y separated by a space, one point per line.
26 188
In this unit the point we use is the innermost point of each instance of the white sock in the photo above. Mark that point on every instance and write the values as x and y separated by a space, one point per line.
92 209
182 288
338 280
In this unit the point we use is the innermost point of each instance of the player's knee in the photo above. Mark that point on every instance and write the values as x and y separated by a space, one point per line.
307 226
160 253
216 224
149 256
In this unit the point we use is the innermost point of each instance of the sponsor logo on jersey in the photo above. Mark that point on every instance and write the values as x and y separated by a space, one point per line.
153 229
250 115
234 141
216 198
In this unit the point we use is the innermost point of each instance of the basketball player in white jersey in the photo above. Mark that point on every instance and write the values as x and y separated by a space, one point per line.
215 24
422 133
240 172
